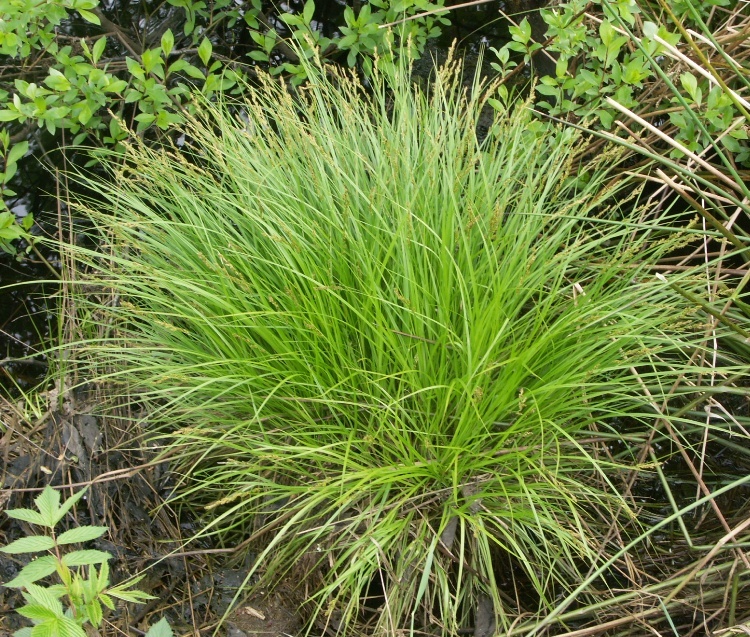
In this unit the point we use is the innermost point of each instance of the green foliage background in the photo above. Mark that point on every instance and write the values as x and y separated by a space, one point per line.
97 87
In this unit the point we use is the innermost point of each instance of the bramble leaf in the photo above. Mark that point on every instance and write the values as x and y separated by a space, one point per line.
85 558
48 503
81 534
45 629
33 571
103 576
123 591
30 544
38 613
68 504
107 601
94 612
27 515
40 596
160 629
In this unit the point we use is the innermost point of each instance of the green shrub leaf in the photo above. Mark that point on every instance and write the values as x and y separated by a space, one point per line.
85 558
48 503
27 515
33 571
44 597
67 627
30 544
81 534
167 42
17 151
94 612
39 613
204 51
89 17
98 49
160 629
67 505
309 10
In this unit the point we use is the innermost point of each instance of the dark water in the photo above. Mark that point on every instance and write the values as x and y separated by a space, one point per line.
28 283
26 321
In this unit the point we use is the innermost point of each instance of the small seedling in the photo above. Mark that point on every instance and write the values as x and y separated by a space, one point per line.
63 609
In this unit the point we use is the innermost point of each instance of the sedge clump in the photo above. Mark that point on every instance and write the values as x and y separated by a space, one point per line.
383 345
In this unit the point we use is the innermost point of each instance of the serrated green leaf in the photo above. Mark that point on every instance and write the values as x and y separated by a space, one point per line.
27 515
58 590
38 613
40 596
76 587
67 627
107 601
23 632
103 576
160 629
94 612
30 544
204 51
68 504
33 572
81 534
124 592
45 629
48 503
85 558
134 597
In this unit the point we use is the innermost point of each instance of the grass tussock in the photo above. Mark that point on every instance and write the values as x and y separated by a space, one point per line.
383 346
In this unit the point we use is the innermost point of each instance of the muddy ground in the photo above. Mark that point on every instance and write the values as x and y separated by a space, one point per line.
193 582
